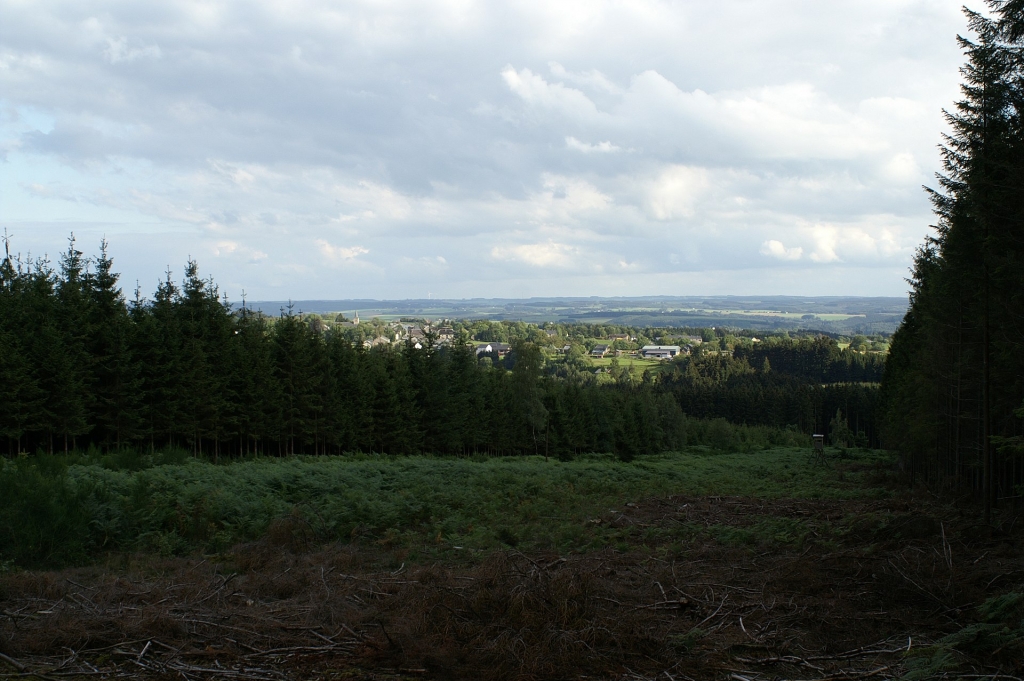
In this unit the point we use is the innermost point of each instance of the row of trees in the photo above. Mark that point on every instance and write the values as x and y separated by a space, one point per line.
953 386
80 365
726 387
819 360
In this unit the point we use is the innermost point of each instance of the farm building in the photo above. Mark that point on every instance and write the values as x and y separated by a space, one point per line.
488 348
659 351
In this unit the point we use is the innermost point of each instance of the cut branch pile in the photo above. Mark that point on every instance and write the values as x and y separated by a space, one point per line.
693 607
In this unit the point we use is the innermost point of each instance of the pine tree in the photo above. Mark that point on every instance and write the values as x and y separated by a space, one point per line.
953 379
21 398
65 336
296 361
256 408
116 389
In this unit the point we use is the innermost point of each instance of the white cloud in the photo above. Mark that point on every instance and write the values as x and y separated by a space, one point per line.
599 148
903 168
825 238
226 248
534 90
776 249
593 79
548 254
340 253
675 191
568 197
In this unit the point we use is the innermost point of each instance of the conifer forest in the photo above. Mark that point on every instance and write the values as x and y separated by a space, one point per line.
953 389
83 366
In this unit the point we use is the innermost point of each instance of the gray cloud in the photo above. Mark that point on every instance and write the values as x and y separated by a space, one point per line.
315 150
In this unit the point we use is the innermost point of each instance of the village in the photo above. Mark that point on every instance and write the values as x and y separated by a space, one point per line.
421 333
594 348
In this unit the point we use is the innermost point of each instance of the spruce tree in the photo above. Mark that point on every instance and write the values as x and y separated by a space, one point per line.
117 380
953 379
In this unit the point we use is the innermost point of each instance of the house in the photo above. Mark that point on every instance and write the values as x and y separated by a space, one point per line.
488 348
621 337
445 333
552 333
599 351
565 349
660 351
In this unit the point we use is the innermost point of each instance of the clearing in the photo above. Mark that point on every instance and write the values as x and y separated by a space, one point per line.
698 565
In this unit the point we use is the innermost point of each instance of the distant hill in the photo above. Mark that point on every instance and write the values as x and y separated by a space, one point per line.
836 314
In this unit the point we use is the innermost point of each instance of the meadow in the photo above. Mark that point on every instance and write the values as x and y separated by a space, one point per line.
66 510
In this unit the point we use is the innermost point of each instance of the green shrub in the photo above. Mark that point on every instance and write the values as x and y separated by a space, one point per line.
999 631
44 520
65 510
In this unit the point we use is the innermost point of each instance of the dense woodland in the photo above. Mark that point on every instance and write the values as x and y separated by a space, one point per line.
81 366
953 387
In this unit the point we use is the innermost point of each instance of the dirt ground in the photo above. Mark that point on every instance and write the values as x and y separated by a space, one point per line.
704 589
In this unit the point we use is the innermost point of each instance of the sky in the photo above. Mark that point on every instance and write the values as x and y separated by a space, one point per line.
399 149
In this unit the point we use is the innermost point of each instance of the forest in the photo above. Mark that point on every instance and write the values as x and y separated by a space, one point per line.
952 389
82 366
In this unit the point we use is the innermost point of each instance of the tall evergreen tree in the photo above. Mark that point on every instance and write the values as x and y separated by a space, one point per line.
117 381
954 379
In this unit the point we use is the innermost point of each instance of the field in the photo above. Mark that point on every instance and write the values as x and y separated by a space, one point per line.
627 361
690 565
835 314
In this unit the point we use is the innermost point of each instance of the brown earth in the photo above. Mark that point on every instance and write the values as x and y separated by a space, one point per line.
705 590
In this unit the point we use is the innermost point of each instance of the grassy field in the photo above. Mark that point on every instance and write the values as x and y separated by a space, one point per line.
60 511
627 361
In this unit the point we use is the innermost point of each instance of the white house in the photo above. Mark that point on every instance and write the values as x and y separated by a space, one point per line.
659 351
487 348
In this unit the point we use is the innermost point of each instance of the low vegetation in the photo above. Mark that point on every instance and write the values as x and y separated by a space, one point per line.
698 564
69 509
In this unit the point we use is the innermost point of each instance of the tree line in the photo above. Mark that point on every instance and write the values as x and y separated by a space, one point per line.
819 360
729 387
81 366
952 389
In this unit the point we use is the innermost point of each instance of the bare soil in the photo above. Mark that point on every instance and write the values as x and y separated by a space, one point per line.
687 598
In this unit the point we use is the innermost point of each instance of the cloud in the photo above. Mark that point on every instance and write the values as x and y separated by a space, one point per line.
826 239
599 148
674 192
548 254
593 79
536 91
340 253
233 248
776 249
118 50
534 142
903 168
